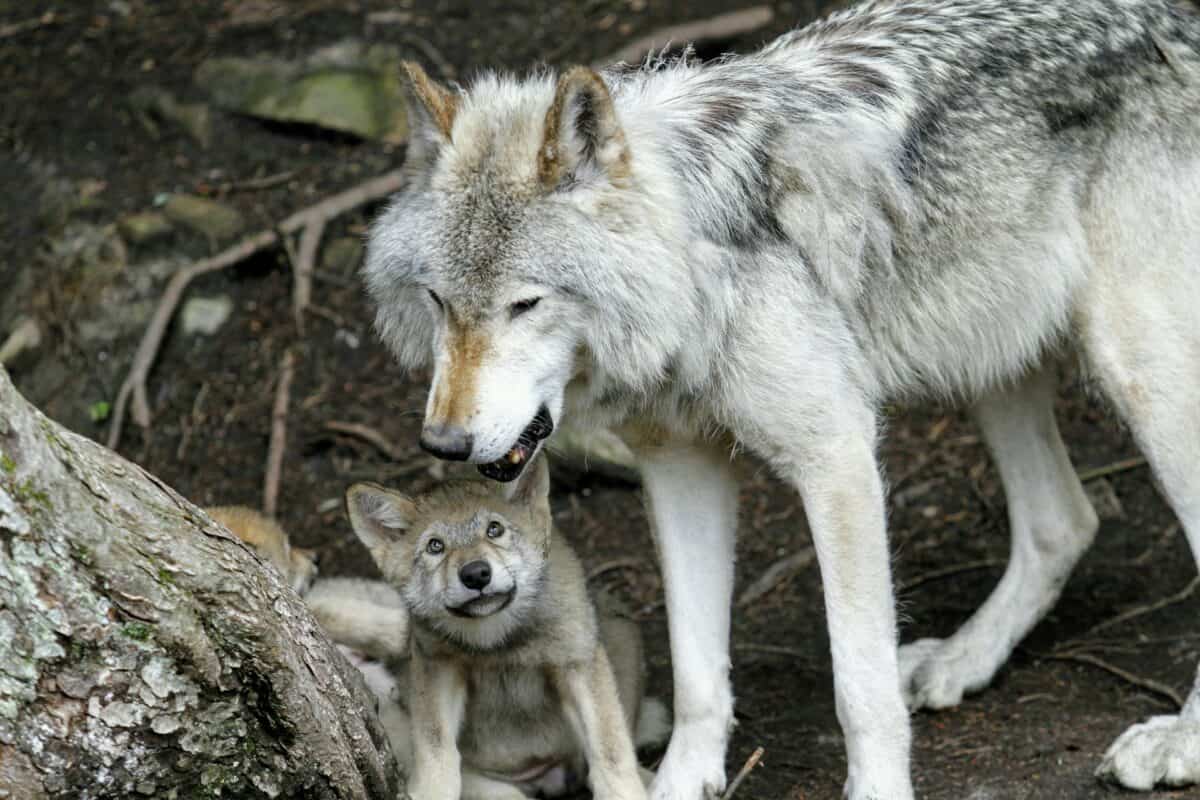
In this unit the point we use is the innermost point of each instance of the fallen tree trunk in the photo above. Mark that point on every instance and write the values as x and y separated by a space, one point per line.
144 651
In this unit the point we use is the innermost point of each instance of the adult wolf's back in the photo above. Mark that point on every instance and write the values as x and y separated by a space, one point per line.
908 199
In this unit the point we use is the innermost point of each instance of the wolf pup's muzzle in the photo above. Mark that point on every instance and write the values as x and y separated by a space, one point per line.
513 463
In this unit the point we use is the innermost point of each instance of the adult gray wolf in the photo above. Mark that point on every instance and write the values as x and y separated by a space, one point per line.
903 201
513 684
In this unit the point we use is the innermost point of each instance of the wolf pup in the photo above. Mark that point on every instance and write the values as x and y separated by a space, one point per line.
297 565
907 200
513 683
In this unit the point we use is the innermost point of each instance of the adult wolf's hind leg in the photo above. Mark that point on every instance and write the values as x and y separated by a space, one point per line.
1052 524
1142 341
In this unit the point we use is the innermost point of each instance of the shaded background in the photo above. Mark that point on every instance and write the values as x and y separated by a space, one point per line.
122 159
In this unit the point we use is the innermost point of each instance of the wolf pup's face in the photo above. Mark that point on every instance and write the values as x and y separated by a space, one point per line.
496 260
469 557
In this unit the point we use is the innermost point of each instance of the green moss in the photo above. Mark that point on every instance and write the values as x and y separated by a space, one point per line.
165 577
81 554
7 464
137 631
26 493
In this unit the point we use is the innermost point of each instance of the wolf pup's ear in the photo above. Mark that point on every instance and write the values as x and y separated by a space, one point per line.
581 133
378 515
532 488
431 111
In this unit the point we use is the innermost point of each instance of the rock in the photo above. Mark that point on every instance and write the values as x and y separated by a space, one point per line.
25 338
348 87
342 255
600 452
144 226
1104 499
153 105
205 315
62 198
208 217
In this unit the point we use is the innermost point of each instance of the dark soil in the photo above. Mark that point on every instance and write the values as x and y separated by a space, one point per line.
1037 733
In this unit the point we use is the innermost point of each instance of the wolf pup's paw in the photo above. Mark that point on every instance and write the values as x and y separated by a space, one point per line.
932 675
1161 751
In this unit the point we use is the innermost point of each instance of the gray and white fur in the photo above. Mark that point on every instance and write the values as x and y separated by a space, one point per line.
507 683
907 200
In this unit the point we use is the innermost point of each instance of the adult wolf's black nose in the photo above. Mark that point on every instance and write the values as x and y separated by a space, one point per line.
450 442
475 575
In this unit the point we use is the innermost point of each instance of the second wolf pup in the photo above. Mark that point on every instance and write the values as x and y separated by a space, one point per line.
510 687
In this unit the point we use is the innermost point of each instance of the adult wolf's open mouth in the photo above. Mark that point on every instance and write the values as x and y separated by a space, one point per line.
514 461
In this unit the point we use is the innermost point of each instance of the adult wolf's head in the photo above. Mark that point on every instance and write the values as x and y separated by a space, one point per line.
518 246
469 557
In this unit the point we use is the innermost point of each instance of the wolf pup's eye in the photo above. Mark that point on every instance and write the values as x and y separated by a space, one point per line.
436 299
521 306
434 547
495 530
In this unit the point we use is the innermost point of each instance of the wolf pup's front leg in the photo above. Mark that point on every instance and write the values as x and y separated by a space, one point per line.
593 706
437 699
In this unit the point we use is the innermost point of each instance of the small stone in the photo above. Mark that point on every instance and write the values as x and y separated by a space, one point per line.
25 338
214 220
153 104
1104 499
205 315
342 255
144 226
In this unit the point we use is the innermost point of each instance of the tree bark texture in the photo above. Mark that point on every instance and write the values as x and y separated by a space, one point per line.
146 652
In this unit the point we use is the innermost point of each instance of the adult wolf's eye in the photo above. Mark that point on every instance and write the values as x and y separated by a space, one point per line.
495 530
521 306
435 547
436 299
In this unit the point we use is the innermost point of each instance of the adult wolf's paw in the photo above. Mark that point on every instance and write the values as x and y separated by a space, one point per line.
932 675
694 766
1161 751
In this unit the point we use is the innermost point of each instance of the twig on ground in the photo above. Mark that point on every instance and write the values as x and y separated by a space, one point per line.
772 649
1149 684
15 28
302 270
722 26
1111 469
777 573
278 443
134 387
370 436
750 764
955 569
1133 613
257 184
190 422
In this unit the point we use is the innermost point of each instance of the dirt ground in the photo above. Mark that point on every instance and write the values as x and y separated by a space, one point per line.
1037 733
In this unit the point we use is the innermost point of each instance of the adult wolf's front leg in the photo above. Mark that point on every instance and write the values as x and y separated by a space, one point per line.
843 498
692 498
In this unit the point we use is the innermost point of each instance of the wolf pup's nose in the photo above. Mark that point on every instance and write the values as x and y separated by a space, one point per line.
475 575
450 442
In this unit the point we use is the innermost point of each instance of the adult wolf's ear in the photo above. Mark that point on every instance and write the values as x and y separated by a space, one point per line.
532 488
379 516
431 111
581 133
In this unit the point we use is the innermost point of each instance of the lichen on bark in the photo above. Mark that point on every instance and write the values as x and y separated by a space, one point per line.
146 652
